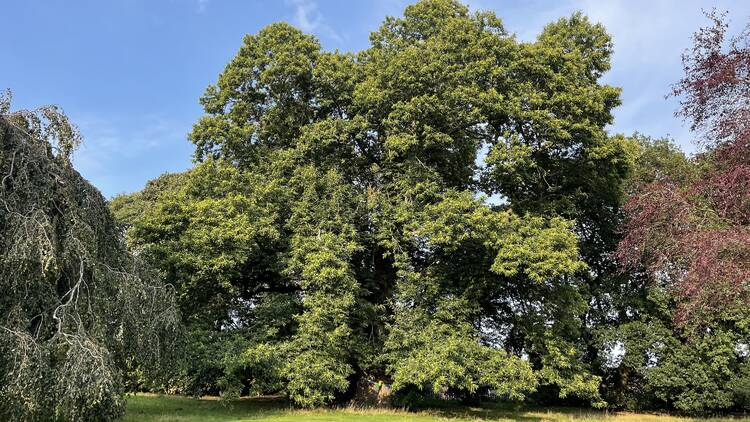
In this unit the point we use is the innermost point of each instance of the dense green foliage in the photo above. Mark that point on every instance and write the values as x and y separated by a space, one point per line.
77 312
336 228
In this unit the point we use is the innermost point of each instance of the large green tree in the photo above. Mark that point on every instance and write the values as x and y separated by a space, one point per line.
337 226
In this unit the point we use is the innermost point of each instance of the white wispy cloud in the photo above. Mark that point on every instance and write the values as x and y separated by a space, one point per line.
649 39
202 5
308 18
112 142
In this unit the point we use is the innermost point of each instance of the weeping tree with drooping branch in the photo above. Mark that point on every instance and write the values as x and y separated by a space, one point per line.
78 313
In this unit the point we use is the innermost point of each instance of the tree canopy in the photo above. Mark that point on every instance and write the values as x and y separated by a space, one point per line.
337 228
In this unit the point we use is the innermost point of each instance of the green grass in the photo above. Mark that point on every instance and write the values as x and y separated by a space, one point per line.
152 408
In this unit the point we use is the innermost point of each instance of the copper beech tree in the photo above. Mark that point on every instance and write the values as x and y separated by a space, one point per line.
692 233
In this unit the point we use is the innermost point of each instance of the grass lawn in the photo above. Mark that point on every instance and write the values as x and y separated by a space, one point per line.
152 408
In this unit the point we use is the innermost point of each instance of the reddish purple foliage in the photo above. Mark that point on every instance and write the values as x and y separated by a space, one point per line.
694 234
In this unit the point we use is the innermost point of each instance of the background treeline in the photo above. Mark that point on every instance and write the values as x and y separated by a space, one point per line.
443 213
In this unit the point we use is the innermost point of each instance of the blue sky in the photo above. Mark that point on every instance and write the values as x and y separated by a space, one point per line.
129 72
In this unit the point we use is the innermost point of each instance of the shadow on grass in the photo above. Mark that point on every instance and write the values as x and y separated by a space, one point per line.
156 408
505 411
148 407
524 412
